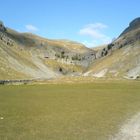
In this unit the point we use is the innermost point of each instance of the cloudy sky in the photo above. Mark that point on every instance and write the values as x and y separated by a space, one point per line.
92 22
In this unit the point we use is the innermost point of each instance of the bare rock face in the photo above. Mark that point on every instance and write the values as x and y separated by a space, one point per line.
3 35
2 27
135 24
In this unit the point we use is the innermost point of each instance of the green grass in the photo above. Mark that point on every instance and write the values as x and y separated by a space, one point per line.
92 111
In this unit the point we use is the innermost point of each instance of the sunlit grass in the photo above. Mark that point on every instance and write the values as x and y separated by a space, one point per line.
91 111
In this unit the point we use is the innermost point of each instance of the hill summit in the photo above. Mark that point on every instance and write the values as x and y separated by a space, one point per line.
135 24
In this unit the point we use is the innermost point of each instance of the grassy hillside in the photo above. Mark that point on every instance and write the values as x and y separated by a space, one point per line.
33 57
120 63
31 40
28 56
92 111
119 59
18 63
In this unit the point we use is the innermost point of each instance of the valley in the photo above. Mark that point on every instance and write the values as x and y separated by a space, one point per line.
58 89
25 56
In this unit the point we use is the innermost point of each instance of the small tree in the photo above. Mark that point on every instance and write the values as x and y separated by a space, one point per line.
62 54
60 69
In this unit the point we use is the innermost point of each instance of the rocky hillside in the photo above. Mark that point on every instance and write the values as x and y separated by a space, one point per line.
121 58
28 56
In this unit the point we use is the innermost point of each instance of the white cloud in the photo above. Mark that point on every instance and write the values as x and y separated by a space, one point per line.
31 28
95 32
97 26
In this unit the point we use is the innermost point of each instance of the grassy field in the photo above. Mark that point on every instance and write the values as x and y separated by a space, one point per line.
92 111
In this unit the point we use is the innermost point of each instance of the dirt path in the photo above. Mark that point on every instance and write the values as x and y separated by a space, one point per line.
130 130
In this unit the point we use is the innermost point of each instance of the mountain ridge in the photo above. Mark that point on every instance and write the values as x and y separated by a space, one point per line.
132 26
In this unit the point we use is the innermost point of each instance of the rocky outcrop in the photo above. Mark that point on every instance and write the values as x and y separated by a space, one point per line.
2 27
3 35
135 24
5 39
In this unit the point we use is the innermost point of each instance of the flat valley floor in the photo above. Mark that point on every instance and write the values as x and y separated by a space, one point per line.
82 111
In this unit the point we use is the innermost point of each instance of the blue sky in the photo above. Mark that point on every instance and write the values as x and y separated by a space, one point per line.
92 22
